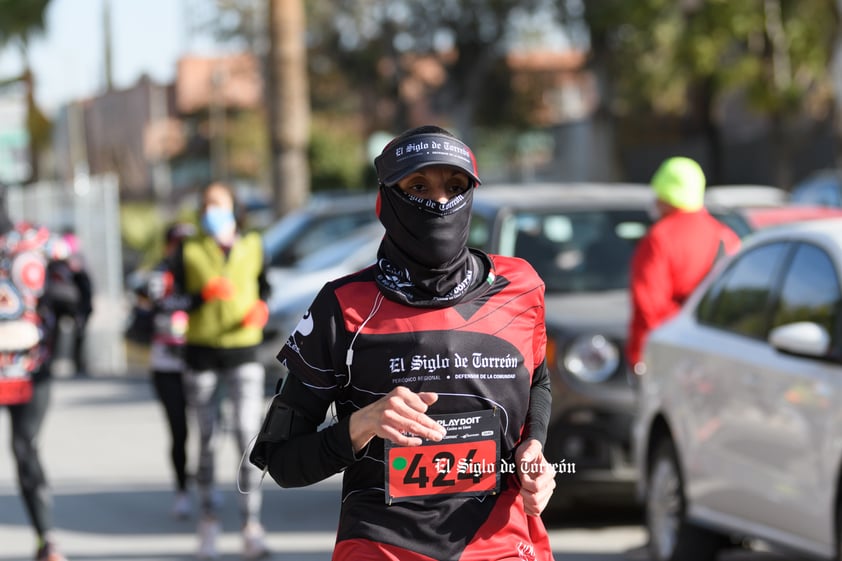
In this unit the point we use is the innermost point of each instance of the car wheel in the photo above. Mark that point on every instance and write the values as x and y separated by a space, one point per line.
671 537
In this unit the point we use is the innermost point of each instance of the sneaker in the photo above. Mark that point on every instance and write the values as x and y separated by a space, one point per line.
48 552
254 541
182 506
208 532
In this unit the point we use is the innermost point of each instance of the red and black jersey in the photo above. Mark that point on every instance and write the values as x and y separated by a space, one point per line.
480 354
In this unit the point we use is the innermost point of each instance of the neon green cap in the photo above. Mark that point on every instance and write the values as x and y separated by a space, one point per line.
680 182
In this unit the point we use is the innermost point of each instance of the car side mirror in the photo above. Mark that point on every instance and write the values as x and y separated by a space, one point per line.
804 338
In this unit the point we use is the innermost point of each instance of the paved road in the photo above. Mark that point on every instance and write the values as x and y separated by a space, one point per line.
105 446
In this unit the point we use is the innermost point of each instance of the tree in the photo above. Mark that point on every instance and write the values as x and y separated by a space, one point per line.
289 104
279 25
21 20
668 59
362 69
374 45
243 21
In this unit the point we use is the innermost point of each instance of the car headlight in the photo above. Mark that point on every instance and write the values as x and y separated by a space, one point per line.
591 358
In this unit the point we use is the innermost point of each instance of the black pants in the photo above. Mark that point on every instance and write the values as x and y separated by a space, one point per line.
27 419
79 358
77 343
170 391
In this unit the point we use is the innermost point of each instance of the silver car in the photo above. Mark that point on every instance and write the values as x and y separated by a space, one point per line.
738 432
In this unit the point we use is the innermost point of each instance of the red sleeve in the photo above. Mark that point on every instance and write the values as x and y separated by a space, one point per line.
651 290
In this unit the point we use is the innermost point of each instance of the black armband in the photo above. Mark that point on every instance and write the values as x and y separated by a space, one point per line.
279 425
290 443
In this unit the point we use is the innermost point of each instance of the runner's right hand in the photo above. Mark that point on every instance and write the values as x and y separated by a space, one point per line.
398 412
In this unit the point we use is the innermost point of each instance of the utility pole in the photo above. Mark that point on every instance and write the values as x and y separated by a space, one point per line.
216 116
32 114
161 172
109 62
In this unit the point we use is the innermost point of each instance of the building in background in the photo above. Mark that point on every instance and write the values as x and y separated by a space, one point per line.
164 141
220 103
108 134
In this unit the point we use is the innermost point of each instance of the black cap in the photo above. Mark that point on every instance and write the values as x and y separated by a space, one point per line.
417 151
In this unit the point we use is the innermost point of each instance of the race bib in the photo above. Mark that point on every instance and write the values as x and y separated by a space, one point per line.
466 462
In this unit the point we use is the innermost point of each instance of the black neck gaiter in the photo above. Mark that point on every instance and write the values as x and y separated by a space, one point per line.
424 259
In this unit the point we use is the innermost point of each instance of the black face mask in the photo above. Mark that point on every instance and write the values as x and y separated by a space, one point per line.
424 259
432 234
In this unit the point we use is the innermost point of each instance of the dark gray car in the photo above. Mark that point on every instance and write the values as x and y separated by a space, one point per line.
580 239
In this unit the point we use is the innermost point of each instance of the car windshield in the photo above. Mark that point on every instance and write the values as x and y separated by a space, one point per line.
330 256
302 233
576 251
360 246
282 232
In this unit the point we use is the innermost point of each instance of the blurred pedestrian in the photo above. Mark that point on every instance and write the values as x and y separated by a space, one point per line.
27 340
73 301
222 270
434 335
166 357
676 253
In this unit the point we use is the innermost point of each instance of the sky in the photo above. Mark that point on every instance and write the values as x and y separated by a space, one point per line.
148 36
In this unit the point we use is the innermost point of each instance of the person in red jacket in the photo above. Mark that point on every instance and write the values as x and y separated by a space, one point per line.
676 253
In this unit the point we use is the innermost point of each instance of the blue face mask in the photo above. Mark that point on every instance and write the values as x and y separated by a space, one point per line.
216 220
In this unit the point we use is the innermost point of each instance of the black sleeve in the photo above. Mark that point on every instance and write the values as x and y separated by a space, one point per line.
309 455
264 288
175 265
540 402
86 291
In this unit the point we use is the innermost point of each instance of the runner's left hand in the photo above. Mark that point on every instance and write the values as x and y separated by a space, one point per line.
537 476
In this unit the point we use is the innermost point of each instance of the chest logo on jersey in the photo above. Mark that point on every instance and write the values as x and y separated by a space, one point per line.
455 366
